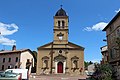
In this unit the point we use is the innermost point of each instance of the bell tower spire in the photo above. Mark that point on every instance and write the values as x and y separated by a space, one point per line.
60 27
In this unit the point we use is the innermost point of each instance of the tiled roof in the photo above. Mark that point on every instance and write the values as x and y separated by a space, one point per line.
14 51
61 12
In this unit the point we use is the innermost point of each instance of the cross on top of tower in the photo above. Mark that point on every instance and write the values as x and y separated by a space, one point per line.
61 12
61 6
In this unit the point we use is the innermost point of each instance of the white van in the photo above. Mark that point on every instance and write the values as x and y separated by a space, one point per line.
23 72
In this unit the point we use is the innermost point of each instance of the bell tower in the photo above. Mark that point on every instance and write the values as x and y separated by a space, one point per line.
60 27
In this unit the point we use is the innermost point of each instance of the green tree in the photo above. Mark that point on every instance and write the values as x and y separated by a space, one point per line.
103 72
90 62
87 63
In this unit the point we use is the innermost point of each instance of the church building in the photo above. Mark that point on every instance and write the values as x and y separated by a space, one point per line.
60 56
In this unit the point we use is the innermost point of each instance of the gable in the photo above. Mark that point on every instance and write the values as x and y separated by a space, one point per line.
111 22
27 54
70 45
74 46
47 46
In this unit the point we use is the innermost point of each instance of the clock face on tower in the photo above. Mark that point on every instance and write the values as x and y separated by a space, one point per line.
60 37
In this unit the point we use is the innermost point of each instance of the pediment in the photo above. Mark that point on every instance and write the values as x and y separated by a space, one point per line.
60 57
70 45
45 58
75 58
74 46
46 46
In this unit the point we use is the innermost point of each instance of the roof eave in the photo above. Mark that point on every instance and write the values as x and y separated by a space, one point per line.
116 16
44 45
78 46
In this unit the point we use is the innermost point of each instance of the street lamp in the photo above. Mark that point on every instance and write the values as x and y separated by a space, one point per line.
105 40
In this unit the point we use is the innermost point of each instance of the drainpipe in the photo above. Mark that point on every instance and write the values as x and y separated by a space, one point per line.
51 55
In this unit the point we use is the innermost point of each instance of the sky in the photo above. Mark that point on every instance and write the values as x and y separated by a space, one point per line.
29 23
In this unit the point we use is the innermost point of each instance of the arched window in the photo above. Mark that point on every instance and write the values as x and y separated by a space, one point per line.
75 64
59 24
46 63
63 24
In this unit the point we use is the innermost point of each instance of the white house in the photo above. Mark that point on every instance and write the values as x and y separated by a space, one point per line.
16 59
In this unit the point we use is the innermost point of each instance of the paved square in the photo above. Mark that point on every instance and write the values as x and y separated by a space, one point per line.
57 77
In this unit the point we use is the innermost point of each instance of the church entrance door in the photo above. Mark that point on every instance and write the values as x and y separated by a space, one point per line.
60 67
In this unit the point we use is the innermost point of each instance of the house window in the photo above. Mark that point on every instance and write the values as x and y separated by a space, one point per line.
63 24
111 53
2 67
11 66
118 32
8 67
110 28
16 59
3 60
58 23
9 60
28 63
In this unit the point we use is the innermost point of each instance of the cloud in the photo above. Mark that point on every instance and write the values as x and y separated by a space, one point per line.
117 10
7 29
97 27
6 41
96 60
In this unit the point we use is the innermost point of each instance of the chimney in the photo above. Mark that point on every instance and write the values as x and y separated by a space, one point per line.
14 48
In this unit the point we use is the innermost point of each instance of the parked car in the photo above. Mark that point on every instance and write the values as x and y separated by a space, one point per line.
23 72
9 76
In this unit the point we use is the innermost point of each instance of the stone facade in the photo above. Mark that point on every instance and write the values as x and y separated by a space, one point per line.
113 35
60 56
104 51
